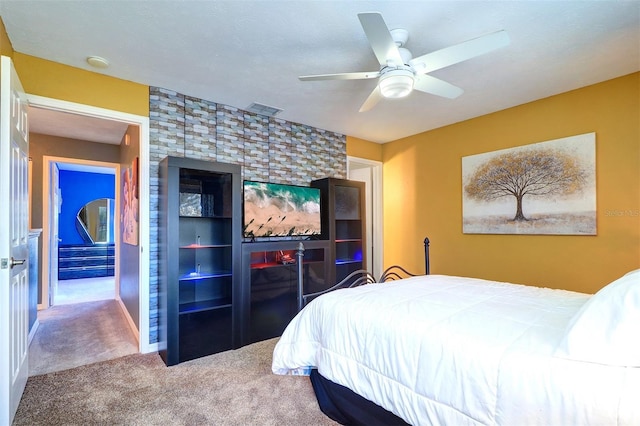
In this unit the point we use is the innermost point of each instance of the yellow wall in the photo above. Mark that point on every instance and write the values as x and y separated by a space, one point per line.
423 192
54 80
364 149
6 48
422 184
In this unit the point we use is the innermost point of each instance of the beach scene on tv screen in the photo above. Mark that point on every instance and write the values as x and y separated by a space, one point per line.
276 210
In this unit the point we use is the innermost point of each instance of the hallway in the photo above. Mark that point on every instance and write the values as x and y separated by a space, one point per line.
85 290
85 326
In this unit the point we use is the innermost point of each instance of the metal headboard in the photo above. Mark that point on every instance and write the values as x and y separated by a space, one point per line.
355 278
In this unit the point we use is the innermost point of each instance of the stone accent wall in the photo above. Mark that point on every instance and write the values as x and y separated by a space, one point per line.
267 148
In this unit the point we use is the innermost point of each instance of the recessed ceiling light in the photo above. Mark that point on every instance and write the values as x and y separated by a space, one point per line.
97 62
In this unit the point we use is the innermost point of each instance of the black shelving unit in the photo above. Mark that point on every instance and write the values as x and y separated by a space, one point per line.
270 284
343 224
199 257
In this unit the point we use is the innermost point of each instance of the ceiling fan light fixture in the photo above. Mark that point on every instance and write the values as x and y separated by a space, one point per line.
396 84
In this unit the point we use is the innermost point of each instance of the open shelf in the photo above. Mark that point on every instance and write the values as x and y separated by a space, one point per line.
200 257
204 305
202 246
347 261
350 229
343 224
195 276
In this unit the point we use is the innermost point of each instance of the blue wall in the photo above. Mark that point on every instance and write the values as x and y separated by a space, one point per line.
77 189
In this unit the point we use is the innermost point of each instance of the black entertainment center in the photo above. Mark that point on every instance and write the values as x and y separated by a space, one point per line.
228 277
270 285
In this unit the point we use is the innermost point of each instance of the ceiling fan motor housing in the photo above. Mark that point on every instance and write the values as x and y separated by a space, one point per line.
396 82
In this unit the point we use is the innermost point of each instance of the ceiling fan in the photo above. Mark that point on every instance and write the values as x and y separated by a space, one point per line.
399 73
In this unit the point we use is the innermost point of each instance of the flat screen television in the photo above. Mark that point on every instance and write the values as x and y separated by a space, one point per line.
280 210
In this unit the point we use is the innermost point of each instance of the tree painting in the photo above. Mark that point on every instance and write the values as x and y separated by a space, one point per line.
540 178
534 173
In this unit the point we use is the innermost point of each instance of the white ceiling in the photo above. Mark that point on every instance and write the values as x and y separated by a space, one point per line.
240 52
74 126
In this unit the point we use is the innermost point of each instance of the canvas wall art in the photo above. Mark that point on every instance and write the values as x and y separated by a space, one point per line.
543 188
129 212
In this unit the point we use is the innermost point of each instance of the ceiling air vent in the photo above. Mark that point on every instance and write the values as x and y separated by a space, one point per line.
269 111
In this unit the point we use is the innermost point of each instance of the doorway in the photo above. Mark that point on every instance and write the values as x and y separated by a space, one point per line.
370 172
81 219
137 312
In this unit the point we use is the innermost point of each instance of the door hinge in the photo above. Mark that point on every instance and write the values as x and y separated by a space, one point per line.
4 263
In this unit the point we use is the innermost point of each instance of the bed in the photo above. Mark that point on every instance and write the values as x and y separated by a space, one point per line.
435 349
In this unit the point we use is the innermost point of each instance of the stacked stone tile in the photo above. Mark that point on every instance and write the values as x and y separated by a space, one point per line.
200 135
268 149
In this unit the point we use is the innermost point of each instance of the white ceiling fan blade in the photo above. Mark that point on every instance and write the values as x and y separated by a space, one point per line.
341 76
372 100
435 86
460 52
380 38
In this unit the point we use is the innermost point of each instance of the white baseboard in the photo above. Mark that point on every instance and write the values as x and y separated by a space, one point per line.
33 330
151 347
143 349
130 321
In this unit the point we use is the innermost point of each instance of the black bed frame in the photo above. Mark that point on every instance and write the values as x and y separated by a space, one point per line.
338 402
355 278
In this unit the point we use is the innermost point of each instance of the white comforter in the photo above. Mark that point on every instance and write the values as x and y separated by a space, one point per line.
453 351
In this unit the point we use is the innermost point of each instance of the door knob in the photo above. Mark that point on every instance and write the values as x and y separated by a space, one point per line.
16 262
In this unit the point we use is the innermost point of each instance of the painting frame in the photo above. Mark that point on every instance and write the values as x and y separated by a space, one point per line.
544 188
129 212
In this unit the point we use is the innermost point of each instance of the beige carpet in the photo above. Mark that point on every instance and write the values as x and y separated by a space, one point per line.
73 335
229 388
85 290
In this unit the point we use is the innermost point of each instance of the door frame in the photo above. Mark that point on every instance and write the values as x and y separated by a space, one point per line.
47 191
50 220
375 208
142 123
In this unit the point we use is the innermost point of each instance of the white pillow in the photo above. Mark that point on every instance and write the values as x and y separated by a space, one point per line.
606 330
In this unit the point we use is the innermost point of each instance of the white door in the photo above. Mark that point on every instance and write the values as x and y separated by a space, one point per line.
55 202
14 236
